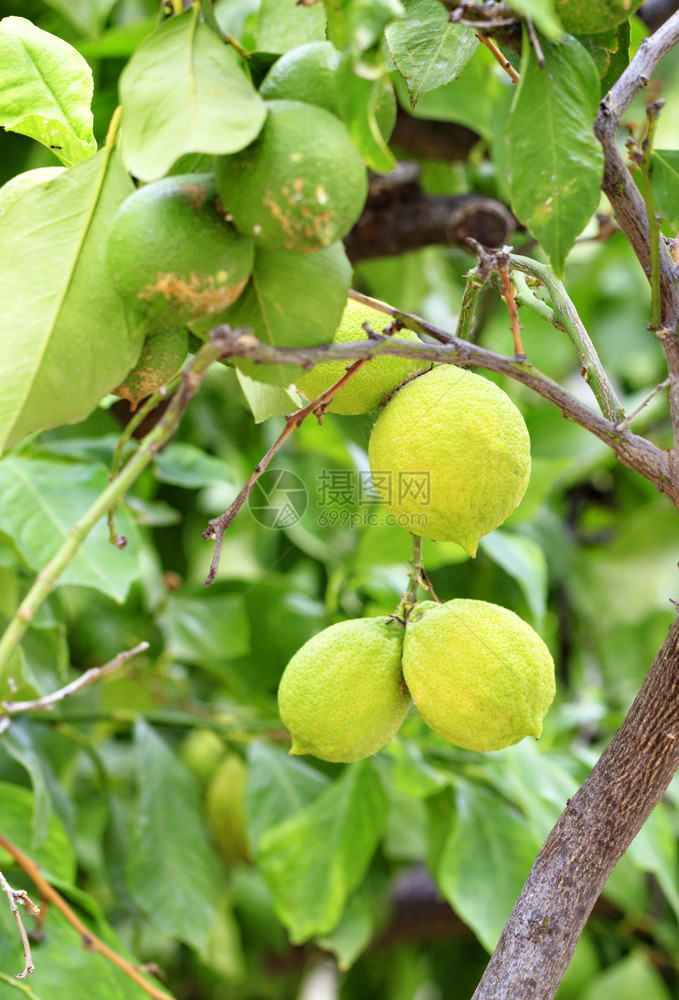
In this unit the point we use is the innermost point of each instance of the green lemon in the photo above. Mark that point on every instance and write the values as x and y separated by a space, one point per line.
162 356
342 695
300 185
368 387
171 252
225 807
591 17
478 674
450 456
308 73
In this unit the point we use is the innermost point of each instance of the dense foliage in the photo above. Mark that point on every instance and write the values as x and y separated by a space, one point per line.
161 801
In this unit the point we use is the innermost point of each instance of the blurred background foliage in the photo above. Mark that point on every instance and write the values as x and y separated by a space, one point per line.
165 794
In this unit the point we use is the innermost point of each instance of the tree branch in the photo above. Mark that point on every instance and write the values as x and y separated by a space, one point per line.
596 828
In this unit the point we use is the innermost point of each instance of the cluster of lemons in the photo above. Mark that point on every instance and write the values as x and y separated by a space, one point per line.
478 675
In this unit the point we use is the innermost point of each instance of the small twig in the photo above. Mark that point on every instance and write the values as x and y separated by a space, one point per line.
20 896
508 296
499 56
467 314
48 577
415 574
624 424
46 703
426 583
535 43
90 941
218 526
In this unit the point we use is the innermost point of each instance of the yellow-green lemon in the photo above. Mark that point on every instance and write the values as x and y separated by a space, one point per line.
342 695
368 387
591 17
300 186
450 456
225 806
162 356
309 73
478 674
172 253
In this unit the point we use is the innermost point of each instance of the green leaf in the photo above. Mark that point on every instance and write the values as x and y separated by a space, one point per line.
205 630
525 561
542 14
55 855
278 787
428 50
268 400
654 850
665 184
87 16
285 24
631 978
487 832
619 57
292 300
182 464
45 90
75 344
354 931
19 743
173 873
202 102
555 163
359 24
315 859
357 98
42 500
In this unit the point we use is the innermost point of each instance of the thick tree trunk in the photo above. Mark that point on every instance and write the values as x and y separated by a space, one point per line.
596 828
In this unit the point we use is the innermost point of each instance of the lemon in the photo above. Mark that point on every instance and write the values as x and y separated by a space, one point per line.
308 73
162 355
590 17
300 185
450 456
172 253
342 695
368 387
225 807
478 674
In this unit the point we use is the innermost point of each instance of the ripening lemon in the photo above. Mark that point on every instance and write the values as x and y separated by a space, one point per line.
450 456
342 695
300 186
478 674
172 254
368 387
162 355
591 17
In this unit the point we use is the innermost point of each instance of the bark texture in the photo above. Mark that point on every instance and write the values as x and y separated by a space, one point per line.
594 831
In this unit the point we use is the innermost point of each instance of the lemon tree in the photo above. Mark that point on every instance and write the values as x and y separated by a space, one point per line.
407 742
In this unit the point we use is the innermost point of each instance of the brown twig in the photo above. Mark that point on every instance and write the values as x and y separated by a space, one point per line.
642 406
508 296
90 941
218 526
14 896
535 43
46 703
498 56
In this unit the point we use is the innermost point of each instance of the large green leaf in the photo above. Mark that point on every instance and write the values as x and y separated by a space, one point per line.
45 90
55 855
524 560
315 859
42 500
488 837
205 629
64 337
183 91
291 300
428 50
555 163
173 873
87 16
278 787
631 978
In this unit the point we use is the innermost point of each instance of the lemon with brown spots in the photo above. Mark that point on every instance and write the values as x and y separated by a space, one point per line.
479 675
172 254
162 355
300 186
